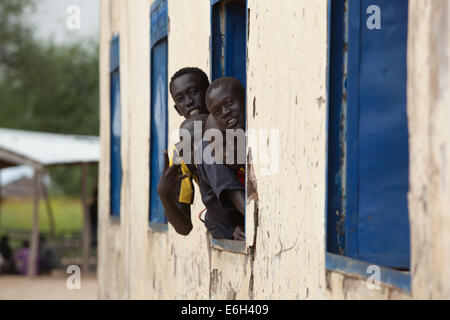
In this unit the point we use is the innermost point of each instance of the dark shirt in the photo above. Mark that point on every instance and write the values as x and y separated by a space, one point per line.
221 217
215 179
217 229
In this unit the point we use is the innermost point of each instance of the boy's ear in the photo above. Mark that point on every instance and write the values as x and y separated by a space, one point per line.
176 108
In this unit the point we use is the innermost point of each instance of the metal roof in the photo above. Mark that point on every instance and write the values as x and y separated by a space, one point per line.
43 149
10 175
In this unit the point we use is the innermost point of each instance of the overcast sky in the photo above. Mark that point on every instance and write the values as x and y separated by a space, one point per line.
51 16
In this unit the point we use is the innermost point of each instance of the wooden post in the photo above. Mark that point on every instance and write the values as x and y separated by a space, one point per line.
1 201
86 220
34 241
51 217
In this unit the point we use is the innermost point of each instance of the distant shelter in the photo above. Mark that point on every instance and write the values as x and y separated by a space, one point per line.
37 151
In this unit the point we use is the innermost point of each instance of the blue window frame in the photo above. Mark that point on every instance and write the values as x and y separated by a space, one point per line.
158 134
116 128
229 39
229 58
368 155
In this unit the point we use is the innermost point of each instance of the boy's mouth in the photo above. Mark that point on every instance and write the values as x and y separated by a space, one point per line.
232 122
194 112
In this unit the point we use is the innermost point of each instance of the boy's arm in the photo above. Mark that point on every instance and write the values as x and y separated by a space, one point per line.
237 198
178 214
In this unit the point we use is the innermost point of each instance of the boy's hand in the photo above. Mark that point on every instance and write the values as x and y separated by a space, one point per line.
170 178
239 233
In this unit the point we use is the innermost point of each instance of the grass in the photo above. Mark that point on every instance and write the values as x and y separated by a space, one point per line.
17 214
16 219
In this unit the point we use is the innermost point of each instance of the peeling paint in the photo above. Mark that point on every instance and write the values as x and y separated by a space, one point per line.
231 293
252 194
215 280
286 256
320 101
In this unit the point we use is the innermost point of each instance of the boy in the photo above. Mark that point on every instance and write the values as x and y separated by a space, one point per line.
225 100
177 191
188 88
175 188
222 192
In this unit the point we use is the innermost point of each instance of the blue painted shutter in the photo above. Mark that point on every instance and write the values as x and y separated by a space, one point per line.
368 163
158 135
217 44
116 129
229 40
377 227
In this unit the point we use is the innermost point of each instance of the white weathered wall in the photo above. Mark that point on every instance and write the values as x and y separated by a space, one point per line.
287 62
287 91
112 242
429 114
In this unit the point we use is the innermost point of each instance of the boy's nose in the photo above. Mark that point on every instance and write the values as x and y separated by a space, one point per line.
225 110
189 100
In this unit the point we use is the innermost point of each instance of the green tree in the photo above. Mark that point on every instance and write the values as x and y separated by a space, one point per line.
46 86
13 32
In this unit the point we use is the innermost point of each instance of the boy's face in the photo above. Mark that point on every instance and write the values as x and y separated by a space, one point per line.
188 92
227 106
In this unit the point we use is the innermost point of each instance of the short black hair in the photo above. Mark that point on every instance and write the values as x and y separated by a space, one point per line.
191 70
235 84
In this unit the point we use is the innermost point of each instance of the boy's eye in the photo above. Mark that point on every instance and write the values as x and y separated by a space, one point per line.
229 103
180 99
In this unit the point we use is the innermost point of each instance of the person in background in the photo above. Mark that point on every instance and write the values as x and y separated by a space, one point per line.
46 257
8 265
22 258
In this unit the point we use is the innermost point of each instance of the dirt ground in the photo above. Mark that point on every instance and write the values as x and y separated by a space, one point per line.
46 288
